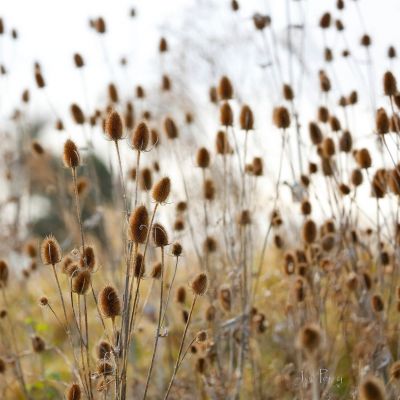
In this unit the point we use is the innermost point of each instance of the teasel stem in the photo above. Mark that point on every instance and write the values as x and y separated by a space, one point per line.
160 314
169 291
61 296
81 344
19 371
181 348
78 211
87 345
137 176
121 177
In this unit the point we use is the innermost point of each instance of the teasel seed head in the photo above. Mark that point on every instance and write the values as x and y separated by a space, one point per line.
141 137
310 338
225 298
113 126
38 344
138 266
138 225
328 147
100 25
306 207
225 89
377 303
288 93
346 142
43 301
325 21
156 271
170 128
209 189
177 249
3 273
315 133
71 155
78 60
382 121
210 245
88 258
309 231
363 159
226 114
50 251
365 40
74 392
145 179
281 117
203 158
81 281
392 52
163 45
389 84
372 388
109 302
77 114
246 118
40 82
161 190
181 295
221 143
261 21
103 350
199 284
159 235
201 336
104 368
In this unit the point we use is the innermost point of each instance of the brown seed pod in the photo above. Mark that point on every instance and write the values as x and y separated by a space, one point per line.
155 138
328 147
3 273
299 290
244 218
141 136
138 266
109 303
140 93
88 258
104 368
306 207
179 225
199 284
74 392
372 388
78 60
209 189
210 245
288 93
391 52
177 249
165 83
310 338
50 251
257 166
261 21
156 271
324 82
246 118
328 55
138 225
103 350
38 344
281 117
363 159
201 336
335 123
328 242
323 114
40 82
145 179
393 178
159 235
163 45
225 89
77 114
225 298
180 295
346 142
309 231
100 25
203 158
81 281
170 128
389 84
71 155
113 126
226 114
382 121
161 190
37 148
221 143
325 21
365 40
213 95
315 133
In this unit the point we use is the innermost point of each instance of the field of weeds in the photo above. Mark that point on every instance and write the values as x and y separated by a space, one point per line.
205 207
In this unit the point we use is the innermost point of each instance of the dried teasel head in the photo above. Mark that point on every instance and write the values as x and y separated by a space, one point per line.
199 284
77 114
71 155
145 179
104 368
113 126
281 117
203 158
325 21
176 249
261 21
159 235
138 266
363 158
38 344
372 388
74 392
209 189
226 114
389 84
288 93
180 295
225 89
161 190
81 281
139 224
170 128
382 122
50 251
109 302
377 303
225 298
103 350
309 231
246 118
315 133
141 136
3 273
221 143
78 60
156 271
310 338
88 258
163 45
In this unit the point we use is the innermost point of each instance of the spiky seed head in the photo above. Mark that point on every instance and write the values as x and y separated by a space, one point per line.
139 224
210 313
113 93
306 207
40 82
325 21
257 166
166 83
177 249
281 117
363 159
221 143
377 303
38 344
159 235
210 245
104 368
138 266
81 281
315 133
156 271
346 142
3 273
365 40
213 95
163 45
103 350
199 284
37 148
78 60
288 93
141 137
201 336
382 121
372 388
109 302
389 84
170 128
71 155
209 189
225 298
100 25
261 21
88 258
235 5
43 301
226 114
181 295
225 89
309 231
328 147
203 158
246 118
113 126
50 251
161 190
77 114
310 338
74 392
146 179
392 52
335 123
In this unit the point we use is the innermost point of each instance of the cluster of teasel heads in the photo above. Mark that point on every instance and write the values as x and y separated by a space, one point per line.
339 281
